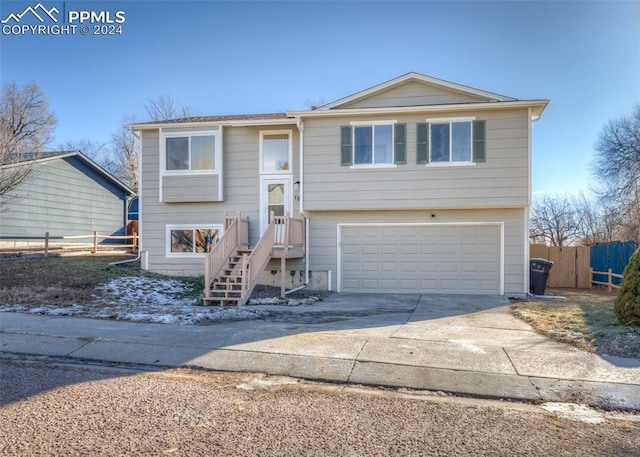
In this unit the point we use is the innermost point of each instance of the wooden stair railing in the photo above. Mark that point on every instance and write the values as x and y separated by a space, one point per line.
232 270
234 239
255 263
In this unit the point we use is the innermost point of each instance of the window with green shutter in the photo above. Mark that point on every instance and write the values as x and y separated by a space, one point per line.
422 136
479 148
451 141
400 144
376 143
345 145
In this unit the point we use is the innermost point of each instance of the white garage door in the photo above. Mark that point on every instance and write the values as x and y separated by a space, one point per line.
460 259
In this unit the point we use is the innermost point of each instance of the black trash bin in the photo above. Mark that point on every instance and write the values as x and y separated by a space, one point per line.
538 275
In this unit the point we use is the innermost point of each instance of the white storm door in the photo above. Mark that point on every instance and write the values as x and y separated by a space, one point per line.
276 197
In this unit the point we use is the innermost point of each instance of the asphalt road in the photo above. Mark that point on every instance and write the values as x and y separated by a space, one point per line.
69 410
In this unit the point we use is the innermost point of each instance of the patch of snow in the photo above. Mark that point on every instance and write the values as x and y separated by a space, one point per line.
149 317
548 297
153 300
53 310
145 290
13 308
575 335
283 301
267 301
577 413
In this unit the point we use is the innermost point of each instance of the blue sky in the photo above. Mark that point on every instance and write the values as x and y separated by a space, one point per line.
253 57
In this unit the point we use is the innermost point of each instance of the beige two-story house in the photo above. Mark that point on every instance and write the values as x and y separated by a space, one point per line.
414 185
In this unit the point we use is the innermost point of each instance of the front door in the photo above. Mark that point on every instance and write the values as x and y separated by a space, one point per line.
275 197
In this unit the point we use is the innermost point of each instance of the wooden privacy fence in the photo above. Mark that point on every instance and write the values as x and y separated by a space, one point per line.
93 244
571 265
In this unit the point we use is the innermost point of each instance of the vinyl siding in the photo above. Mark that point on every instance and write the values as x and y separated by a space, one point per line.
501 181
241 189
323 236
64 197
413 93
190 189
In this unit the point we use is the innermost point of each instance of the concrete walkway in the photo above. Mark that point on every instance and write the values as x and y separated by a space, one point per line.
469 345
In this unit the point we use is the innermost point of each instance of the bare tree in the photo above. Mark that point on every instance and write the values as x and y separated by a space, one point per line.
598 223
314 104
617 167
162 107
26 128
123 161
554 220
95 150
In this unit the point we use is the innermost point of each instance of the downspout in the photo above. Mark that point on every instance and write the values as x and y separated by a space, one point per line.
119 262
139 138
300 125
527 280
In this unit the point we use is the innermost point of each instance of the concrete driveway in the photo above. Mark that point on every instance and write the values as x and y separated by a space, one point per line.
461 344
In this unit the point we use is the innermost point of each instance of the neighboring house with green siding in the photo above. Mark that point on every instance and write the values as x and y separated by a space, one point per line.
414 185
65 194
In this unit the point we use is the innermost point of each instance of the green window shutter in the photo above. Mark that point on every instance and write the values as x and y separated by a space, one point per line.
479 148
400 146
422 136
346 154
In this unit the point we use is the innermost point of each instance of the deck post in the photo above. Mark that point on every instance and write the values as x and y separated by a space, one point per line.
207 279
46 244
283 263
610 279
95 242
245 278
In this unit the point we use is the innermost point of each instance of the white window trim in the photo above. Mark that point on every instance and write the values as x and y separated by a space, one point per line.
191 255
450 163
373 165
264 133
368 123
442 120
373 156
217 134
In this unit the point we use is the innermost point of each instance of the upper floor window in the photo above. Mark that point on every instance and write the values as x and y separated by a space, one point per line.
457 141
451 142
373 143
190 152
275 151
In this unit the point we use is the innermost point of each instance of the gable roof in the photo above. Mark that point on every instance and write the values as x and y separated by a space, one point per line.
479 99
424 79
36 158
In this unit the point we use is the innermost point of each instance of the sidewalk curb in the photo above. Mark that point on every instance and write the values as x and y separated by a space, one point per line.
536 390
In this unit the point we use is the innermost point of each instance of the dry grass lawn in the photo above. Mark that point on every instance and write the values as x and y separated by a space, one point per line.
59 281
584 319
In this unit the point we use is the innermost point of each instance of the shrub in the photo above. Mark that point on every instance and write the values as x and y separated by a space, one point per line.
627 305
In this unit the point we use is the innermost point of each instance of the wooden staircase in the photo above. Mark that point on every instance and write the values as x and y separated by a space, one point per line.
232 269
228 286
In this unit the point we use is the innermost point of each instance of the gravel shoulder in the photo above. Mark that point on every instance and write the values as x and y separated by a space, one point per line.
52 410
